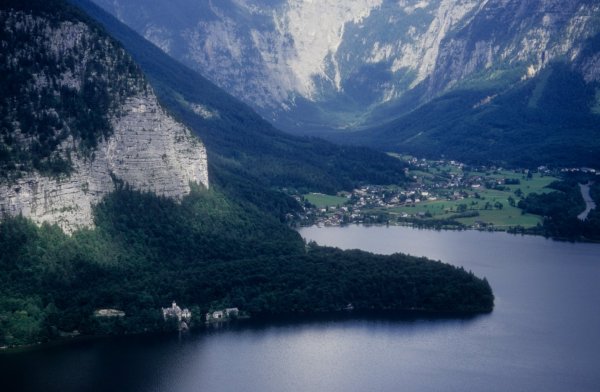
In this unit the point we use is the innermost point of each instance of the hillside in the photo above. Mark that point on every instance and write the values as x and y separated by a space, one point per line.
239 140
78 117
207 253
421 77
551 119
127 222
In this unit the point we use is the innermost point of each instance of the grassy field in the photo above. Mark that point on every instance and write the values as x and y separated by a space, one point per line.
492 207
536 183
502 218
322 201
507 216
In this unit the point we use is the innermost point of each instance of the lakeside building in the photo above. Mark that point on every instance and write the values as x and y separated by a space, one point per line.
176 312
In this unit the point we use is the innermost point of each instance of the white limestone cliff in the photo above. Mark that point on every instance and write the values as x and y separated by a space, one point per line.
536 34
148 150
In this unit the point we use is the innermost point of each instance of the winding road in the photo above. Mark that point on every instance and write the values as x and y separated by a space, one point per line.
589 202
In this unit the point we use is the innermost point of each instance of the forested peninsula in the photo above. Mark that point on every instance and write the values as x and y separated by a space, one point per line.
206 253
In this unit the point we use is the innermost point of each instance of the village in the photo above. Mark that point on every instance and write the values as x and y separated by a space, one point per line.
441 193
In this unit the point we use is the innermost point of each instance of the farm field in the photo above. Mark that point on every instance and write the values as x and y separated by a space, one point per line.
321 200
441 191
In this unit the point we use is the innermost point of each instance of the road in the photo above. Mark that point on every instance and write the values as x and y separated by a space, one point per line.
589 202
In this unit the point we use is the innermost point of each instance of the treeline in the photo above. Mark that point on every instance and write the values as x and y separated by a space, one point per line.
206 253
561 207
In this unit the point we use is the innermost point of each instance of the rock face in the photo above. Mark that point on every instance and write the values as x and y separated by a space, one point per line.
519 35
144 148
284 56
148 150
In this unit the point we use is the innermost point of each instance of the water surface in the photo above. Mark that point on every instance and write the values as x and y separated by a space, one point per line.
544 334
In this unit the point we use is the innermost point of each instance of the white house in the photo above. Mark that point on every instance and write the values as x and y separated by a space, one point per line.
176 312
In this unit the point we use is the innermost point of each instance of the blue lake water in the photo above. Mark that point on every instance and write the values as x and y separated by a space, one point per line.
544 334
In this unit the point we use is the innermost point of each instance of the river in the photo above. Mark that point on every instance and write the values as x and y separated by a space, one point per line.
544 334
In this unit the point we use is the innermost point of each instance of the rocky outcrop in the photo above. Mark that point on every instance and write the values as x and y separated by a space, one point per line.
151 151
80 75
590 68
519 35
148 150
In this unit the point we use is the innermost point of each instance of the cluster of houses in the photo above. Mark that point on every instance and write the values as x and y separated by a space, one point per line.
433 180
366 198
183 316
588 170
109 313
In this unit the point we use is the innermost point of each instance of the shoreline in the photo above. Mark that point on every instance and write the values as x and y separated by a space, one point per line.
265 320
517 230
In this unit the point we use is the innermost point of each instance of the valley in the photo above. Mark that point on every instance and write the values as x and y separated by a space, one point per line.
485 82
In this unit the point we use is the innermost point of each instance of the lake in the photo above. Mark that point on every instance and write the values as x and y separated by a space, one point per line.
544 334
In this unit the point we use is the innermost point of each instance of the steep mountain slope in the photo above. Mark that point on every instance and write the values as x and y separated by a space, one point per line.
78 118
273 53
314 67
498 111
242 146
289 58
551 119
157 236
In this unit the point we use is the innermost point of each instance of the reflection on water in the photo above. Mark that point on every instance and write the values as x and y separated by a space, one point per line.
544 334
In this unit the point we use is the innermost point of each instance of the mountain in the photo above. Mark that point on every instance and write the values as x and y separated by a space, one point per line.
243 147
59 150
78 118
548 120
495 108
383 66
107 214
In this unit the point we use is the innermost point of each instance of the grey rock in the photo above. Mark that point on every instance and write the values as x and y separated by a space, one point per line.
146 149
149 150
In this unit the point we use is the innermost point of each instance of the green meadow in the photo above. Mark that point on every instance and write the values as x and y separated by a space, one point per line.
321 200
472 206
485 202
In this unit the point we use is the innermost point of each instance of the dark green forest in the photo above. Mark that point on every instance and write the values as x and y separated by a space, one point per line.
213 249
547 120
561 207
206 253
